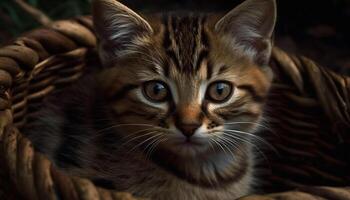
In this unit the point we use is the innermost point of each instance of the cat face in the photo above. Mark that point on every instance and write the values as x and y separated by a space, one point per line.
189 85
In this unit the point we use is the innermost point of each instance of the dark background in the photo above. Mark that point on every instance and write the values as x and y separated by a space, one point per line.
319 29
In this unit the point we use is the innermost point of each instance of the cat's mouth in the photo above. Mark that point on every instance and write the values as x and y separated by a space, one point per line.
190 142
188 146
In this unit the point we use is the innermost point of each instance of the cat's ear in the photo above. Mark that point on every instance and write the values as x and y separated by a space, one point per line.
250 27
118 28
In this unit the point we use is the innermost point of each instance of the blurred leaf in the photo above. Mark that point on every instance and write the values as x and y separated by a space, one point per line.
60 9
13 14
33 2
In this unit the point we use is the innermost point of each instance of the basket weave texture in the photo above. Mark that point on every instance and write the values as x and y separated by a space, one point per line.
308 110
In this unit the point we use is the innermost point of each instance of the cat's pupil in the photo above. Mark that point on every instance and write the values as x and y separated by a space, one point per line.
157 88
220 88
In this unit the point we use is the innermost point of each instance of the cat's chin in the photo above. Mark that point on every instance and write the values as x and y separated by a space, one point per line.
200 164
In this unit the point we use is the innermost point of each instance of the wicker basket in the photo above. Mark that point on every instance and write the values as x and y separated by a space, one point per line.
307 108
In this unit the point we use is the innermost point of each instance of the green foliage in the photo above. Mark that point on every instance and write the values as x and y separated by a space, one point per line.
13 20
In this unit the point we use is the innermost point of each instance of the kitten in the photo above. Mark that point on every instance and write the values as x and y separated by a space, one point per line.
173 113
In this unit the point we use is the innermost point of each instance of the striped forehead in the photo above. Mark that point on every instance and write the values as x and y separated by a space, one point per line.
185 41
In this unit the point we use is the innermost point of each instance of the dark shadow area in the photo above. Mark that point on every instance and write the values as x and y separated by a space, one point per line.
317 29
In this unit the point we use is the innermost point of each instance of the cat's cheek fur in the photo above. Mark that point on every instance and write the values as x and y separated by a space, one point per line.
49 138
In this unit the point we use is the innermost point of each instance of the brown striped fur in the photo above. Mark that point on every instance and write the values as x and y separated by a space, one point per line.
139 145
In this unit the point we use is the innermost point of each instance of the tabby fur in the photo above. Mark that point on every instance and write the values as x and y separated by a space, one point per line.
187 146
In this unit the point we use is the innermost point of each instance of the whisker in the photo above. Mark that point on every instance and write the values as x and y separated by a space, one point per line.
264 126
254 123
219 145
237 137
154 146
120 125
233 144
143 142
224 143
137 137
152 142
125 137
253 136
211 145
137 132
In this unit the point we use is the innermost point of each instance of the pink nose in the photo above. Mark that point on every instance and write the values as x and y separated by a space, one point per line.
188 129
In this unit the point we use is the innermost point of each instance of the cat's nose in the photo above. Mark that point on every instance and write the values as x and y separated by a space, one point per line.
188 129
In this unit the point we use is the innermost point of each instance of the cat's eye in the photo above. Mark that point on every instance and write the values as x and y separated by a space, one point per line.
219 91
156 91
